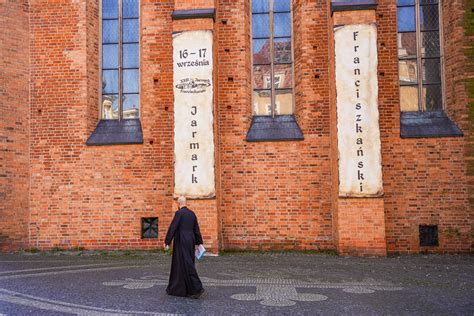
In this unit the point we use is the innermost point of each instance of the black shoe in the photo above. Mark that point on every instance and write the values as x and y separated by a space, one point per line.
197 295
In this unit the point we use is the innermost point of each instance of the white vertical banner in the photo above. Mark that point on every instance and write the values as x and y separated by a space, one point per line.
193 114
358 134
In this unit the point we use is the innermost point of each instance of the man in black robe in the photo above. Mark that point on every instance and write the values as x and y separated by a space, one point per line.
184 229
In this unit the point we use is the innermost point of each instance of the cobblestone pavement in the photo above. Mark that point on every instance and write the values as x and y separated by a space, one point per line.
85 283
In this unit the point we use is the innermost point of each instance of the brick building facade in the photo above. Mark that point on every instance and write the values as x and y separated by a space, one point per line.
71 178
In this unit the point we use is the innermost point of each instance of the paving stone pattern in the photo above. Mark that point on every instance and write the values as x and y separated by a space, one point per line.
238 284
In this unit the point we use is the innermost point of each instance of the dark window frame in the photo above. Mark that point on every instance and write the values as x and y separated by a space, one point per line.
120 95
273 91
420 84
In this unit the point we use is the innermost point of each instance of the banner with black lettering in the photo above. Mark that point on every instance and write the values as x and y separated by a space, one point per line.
358 134
193 114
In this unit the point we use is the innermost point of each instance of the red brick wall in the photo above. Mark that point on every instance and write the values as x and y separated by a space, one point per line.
358 223
14 133
92 31
269 194
361 227
459 68
274 194
424 179
95 196
468 71
193 4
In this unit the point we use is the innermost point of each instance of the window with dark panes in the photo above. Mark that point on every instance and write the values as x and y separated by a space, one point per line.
272 57
120 59
419 55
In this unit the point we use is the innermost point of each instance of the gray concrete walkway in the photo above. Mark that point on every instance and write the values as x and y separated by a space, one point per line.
238 284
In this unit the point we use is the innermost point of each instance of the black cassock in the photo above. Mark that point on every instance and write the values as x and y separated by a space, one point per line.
184 229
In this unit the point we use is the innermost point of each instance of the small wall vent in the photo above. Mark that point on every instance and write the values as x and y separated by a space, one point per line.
149 227
428 235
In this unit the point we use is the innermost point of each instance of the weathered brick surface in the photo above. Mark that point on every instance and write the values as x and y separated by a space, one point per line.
14 155
95 196
269 194
193 4
274 194
468 69
358 223
361 227
424 179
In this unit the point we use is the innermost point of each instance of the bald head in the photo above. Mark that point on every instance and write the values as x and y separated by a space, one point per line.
181 201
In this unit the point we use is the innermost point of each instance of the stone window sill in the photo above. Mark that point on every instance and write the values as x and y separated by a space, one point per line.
115 132
427 124
278 128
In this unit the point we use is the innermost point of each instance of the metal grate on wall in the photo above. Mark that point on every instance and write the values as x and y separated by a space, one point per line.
149 227
428 235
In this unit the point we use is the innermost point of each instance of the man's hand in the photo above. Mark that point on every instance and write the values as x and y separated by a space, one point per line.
166 247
